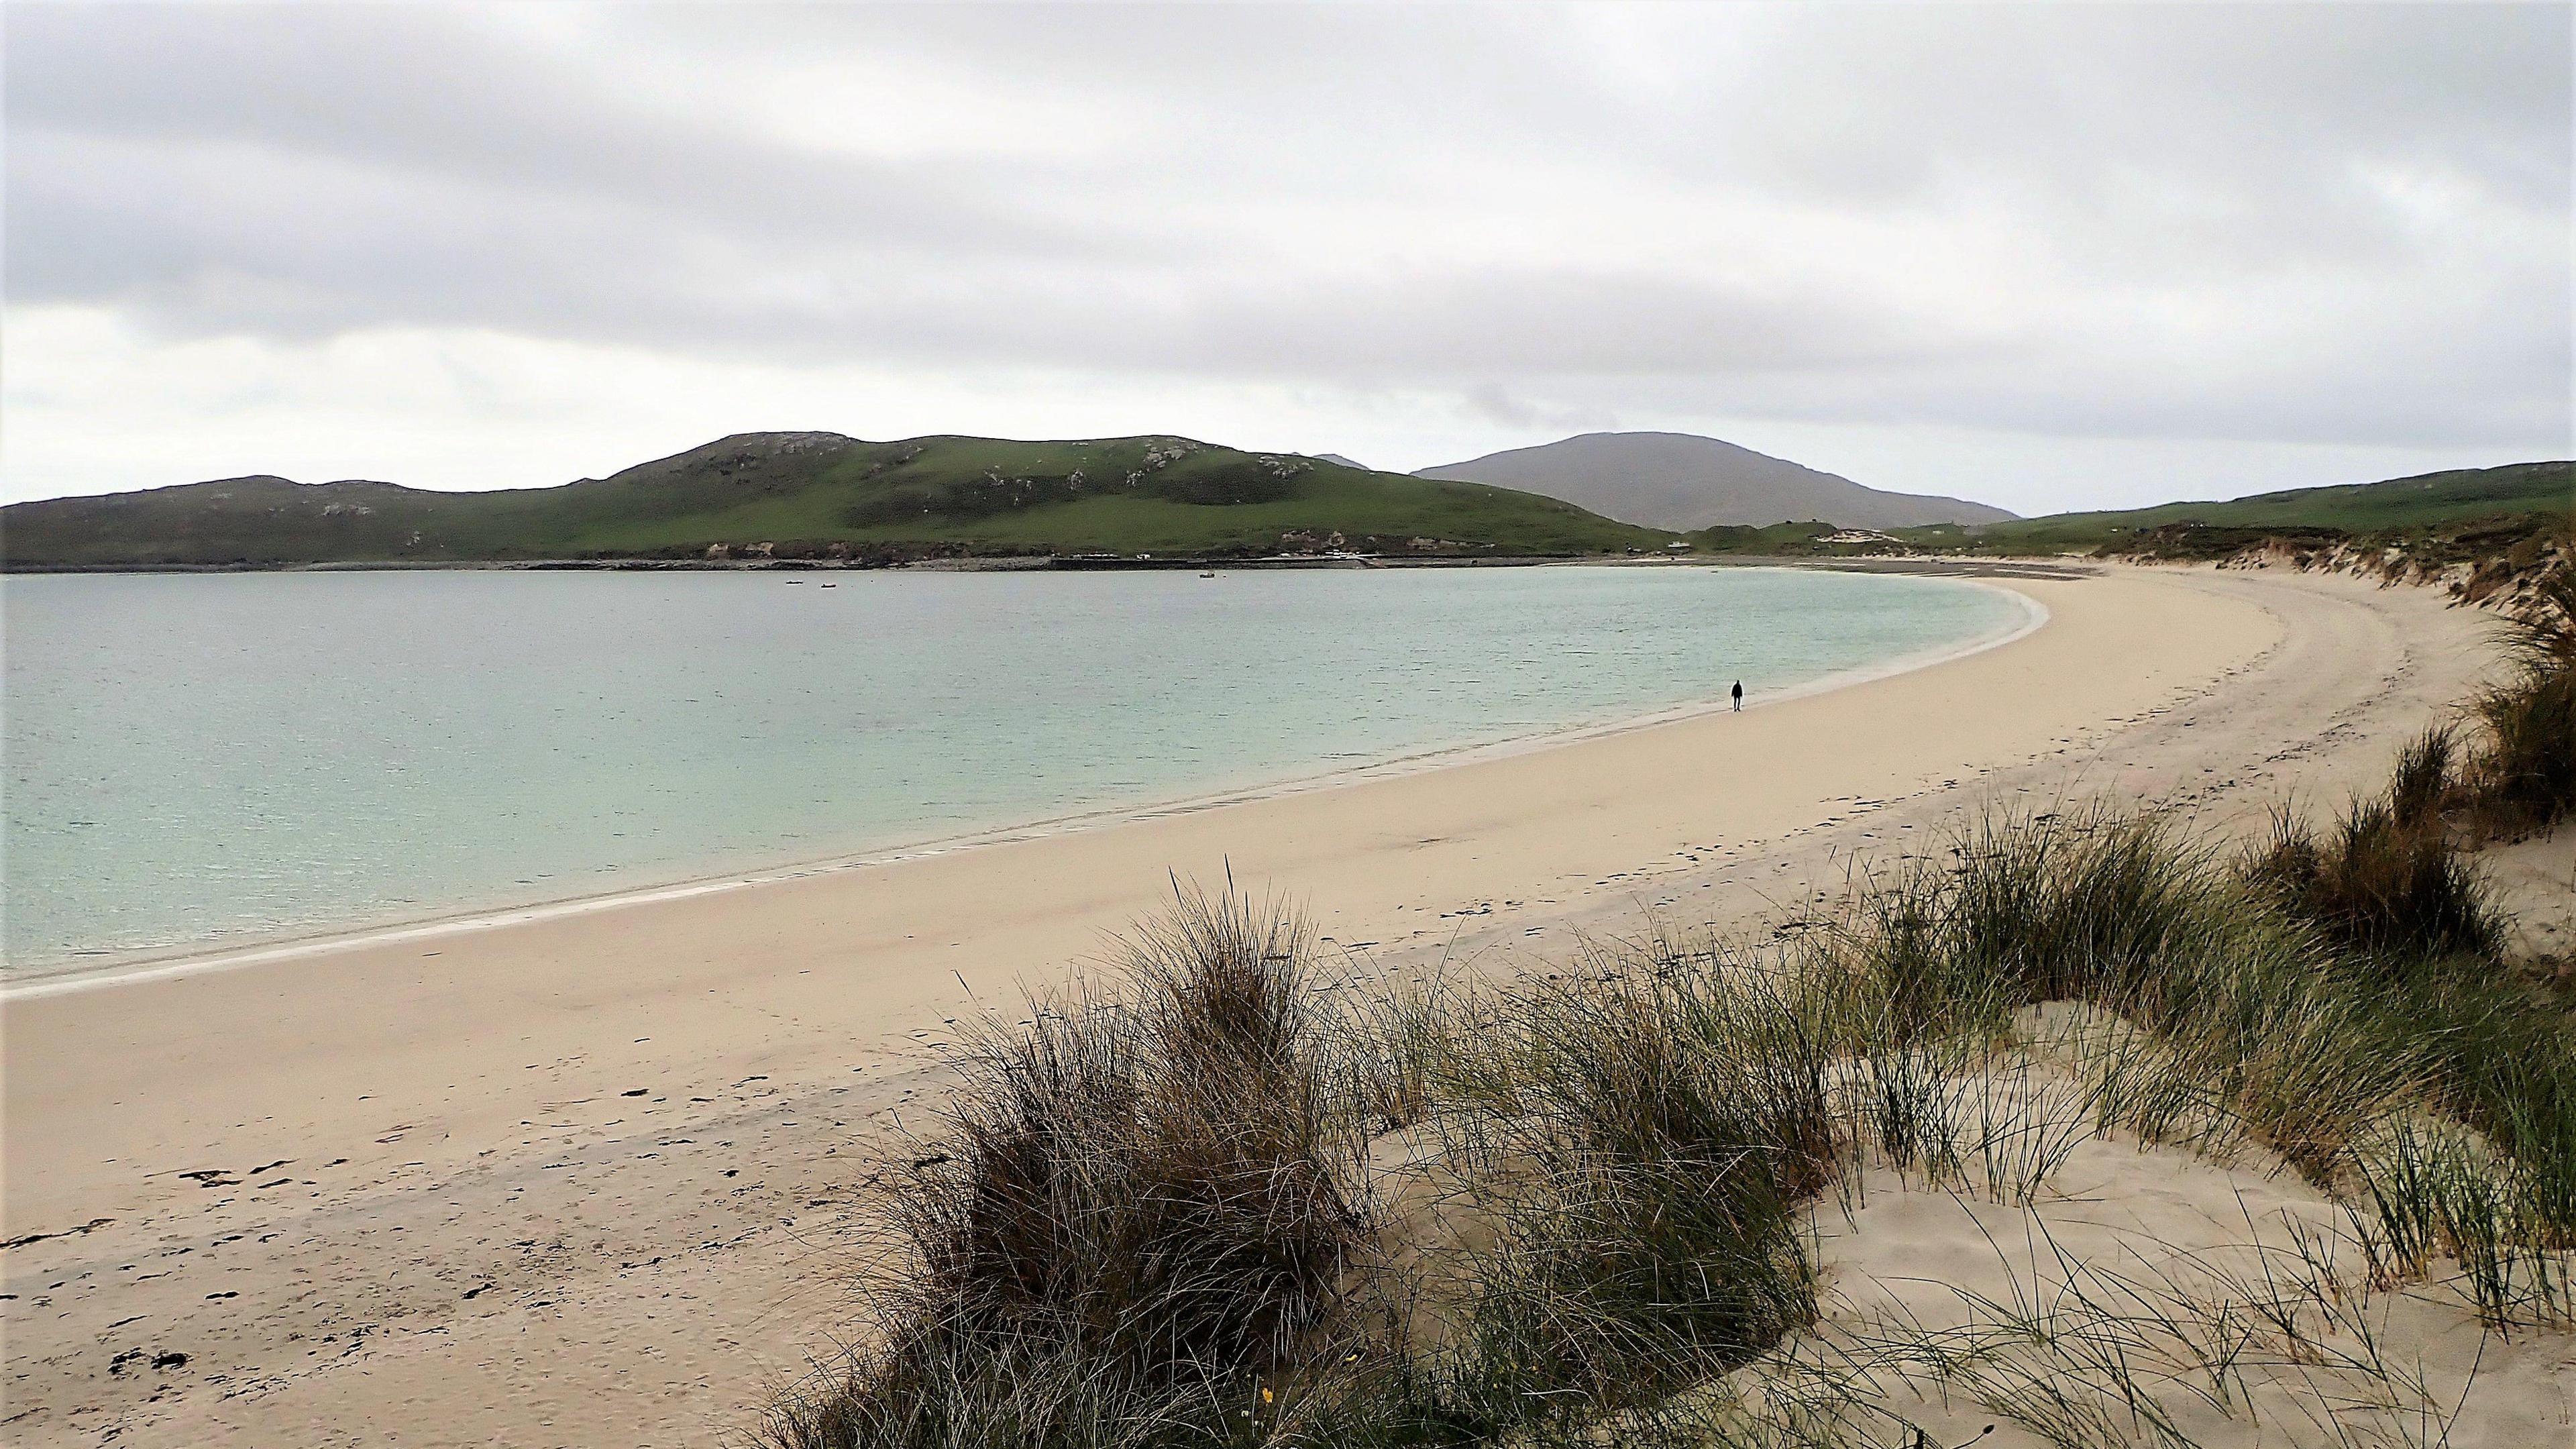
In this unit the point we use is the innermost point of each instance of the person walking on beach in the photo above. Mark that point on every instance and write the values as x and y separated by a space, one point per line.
1739 696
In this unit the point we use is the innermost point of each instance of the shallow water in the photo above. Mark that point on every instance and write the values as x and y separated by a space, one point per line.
200 760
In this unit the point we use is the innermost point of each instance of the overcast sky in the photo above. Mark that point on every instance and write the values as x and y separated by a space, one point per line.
2048 257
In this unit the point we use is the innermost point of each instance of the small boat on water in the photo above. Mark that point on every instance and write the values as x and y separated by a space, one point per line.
1207 576
831 586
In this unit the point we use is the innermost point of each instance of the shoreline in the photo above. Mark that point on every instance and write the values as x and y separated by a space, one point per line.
92 971
1928 563
262 1061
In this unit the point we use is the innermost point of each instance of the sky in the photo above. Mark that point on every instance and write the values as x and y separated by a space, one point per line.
2048 257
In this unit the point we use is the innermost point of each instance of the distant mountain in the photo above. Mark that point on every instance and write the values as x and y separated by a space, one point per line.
821 495
1338 458
1682 482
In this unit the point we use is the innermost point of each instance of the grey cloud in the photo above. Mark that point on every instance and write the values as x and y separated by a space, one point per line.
374 97
2184 216
1495 404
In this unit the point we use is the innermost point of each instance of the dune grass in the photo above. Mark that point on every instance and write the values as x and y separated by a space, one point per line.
1643 1135
1163 1213
2387 877
1136 1201
2524 780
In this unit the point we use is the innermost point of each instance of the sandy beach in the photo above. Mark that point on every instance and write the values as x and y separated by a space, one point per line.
584 1179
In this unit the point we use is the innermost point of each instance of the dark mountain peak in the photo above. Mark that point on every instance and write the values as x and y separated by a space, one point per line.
1684 481
1678 443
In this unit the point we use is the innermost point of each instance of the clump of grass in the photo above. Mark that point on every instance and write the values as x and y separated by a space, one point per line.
2122 914
1667 1125
2524 780
2030 909
2421 784
1913 1103
1137 1201
2137 1081
1005 1391
1626 1146
2376 884
2387 878
2502 1063
2027 1127
2256 1019
2428 1191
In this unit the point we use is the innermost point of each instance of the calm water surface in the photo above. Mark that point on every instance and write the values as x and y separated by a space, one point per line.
199 760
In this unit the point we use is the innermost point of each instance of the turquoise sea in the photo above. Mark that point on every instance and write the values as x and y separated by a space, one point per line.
196 761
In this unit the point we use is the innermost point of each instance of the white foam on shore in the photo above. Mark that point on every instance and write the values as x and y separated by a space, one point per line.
135 969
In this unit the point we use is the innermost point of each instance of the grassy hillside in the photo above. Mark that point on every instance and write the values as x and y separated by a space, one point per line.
812 495
1778 540
2430 499
821 495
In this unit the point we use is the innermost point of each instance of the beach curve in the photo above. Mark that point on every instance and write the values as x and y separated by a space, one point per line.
162 964
507 1162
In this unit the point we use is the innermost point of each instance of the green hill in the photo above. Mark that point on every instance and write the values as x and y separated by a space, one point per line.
821 495
2355 508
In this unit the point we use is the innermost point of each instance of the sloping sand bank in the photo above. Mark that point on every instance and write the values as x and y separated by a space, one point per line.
2144 1288
577 1181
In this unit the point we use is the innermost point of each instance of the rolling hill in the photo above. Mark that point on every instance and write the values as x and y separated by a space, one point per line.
819 495
1683 482
2424 500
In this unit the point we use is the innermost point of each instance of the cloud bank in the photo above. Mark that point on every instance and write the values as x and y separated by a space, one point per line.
2052 256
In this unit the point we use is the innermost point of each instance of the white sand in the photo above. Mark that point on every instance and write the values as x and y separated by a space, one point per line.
2166 1259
